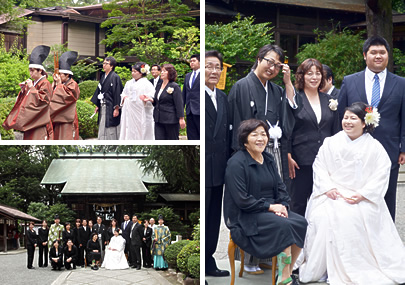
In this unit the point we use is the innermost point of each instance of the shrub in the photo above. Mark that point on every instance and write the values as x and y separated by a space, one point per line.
193 265
182 258
173 250
124 73
196 232
88 128
6 104
87 89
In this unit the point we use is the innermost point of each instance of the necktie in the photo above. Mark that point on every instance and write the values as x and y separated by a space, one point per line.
192 80
214 100
375 95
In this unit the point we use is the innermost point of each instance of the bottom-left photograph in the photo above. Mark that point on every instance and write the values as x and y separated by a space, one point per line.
84 214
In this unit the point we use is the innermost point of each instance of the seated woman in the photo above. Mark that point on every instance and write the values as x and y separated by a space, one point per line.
70 255
351 236
114 255
56 255
256 203
93 251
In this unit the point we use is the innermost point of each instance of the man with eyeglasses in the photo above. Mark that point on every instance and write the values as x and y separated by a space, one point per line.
107 98
255 96
216 156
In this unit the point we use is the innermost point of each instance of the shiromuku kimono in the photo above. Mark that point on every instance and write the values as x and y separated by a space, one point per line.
353 243
63 111
162 233
137 116
114 255
30 113
55 232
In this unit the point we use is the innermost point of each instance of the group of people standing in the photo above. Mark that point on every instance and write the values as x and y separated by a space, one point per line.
96 245
341 150
142 110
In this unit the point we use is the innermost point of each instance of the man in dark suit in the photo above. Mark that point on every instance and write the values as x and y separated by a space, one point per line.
84 236
191 98
126 226
136 243
147 242
156 80
216 156
100 230
329 87
382 89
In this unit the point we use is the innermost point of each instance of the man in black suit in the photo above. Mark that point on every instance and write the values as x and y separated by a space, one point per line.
329 87
380 88
216 156
191 98
156 80
136 243
147 242
84 236
100 230
126 226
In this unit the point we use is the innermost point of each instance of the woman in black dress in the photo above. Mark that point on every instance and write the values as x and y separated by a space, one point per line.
43 244
256 206
67 234
56 255
110 230
70 255
94 251
31 244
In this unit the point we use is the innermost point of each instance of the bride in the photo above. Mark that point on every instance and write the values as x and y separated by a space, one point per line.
114 255
351 237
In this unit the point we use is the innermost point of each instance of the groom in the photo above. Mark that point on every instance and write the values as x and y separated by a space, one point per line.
380 88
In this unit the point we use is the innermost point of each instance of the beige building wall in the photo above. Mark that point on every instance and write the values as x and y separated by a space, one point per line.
101 47
82 37
43 33
34 36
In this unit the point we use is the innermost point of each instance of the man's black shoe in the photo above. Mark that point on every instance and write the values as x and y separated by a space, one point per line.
138 267
217 273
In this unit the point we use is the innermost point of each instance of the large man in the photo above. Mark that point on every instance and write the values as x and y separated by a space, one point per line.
216 156
329 87
63 104
255 96
136 243
107 98
30 113
101 231
84 236
156 80
380 88
191 98
126 226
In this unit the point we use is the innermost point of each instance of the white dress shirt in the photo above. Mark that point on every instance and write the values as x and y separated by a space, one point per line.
192 75
213 95
369 81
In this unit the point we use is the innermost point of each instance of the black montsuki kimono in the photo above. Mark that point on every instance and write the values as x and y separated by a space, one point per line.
112 88
247 100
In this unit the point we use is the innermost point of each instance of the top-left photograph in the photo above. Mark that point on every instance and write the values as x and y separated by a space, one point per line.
98 70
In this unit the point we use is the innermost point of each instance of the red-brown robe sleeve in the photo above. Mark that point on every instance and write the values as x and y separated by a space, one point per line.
63 103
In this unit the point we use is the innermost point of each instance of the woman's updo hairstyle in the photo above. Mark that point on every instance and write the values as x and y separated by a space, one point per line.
248 126
360 110
141 66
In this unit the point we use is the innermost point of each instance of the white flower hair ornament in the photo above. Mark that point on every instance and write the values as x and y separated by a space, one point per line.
372 117
145 69
333 104
170 90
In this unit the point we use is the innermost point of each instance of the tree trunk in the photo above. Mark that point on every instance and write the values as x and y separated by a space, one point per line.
379 22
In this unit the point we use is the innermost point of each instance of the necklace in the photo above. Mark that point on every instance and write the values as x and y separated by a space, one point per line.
257 158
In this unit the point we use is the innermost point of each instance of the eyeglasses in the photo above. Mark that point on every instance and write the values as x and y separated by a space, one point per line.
106 63
271 63
211 68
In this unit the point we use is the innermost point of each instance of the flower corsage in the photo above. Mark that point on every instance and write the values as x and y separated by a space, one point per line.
372 117
145 69
170 90
333 104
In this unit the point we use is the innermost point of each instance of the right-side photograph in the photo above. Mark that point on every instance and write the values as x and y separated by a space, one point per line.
304 142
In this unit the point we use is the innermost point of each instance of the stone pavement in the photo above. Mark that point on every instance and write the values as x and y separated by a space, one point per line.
221 255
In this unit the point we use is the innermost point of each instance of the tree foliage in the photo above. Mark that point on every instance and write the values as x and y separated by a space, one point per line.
45 212
342 51
239 40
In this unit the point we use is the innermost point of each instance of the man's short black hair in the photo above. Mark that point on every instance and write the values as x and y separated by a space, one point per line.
375 41
112 61
214 53
328 73
197 56
158 67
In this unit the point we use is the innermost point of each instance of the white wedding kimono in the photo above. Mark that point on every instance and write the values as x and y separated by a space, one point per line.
114 254
137 116
354 244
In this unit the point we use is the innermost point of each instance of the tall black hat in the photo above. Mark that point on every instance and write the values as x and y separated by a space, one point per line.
57 217
66 60
38 56
160 217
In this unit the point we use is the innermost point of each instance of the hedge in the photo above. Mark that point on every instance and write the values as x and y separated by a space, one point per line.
193 265
173 250
87 89
6 104
182 258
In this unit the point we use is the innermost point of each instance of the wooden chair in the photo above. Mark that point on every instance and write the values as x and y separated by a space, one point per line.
231 254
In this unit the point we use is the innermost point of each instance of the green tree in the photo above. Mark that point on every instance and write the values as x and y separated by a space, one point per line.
238 41
39 211
65 214
334 48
